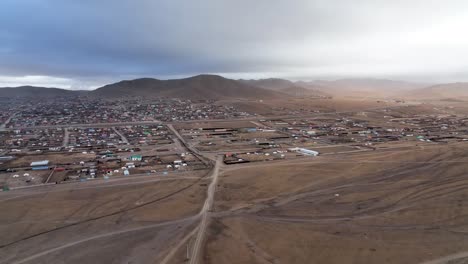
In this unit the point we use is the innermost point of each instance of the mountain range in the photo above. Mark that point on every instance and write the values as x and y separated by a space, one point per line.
287 87
213 87
207 87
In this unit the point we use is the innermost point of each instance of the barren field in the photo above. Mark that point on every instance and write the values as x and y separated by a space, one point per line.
402 203
380 207
133 216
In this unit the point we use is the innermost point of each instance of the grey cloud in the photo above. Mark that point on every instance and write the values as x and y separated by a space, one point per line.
109 39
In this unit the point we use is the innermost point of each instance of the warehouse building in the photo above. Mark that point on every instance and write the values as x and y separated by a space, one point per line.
305 151
40 165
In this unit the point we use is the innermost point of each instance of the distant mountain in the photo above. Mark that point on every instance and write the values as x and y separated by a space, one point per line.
456 91
271 83
211 87
286 87
33 91
363 87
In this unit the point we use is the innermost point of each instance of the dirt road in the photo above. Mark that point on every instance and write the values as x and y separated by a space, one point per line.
66 137
3 126
122 136
205 214
203 157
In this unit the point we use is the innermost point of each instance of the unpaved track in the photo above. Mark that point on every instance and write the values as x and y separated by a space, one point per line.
176 248
206 160
205 214
3 125
66 137
122 137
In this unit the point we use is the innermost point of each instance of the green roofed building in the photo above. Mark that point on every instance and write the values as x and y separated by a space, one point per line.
136 158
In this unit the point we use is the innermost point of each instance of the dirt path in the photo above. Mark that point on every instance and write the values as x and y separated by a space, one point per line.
66 137
122 137
176 248
258 124
3 126
205 214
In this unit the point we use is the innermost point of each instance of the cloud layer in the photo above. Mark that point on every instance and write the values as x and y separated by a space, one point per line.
86 43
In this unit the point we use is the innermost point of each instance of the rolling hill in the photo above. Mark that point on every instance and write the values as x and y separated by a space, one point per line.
210 87
455 91
213 87
33 91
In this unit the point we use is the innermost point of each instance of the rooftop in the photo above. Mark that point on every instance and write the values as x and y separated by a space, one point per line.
40 163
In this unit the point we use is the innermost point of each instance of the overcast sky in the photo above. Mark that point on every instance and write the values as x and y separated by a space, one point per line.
86 43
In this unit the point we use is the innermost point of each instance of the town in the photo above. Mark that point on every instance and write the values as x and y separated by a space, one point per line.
83 110
43 146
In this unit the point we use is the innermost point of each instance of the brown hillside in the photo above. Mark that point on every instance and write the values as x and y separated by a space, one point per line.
210 87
